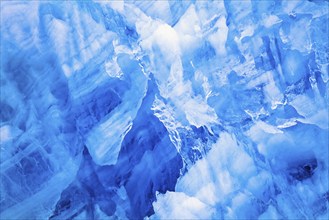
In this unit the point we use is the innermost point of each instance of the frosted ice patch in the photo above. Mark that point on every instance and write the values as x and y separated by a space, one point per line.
5 134
271 20
198 113
8 133
177 205
219 38
189 30
117 5
113 69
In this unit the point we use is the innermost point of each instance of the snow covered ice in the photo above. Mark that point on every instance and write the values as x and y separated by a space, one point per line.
164 109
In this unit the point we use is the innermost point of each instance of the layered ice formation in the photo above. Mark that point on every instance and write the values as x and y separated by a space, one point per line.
164 109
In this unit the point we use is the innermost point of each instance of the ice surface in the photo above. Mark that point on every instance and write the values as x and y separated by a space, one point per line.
164 109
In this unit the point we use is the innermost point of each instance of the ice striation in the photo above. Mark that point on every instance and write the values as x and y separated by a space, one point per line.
164 109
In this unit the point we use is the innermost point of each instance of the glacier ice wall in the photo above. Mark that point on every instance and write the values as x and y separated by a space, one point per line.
164 109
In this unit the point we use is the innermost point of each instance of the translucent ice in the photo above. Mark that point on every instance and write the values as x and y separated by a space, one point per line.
164 109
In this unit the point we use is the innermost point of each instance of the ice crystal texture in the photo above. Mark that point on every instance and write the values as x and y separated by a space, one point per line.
164 109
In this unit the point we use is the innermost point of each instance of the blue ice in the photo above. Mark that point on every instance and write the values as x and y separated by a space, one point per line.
164 109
